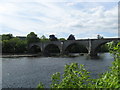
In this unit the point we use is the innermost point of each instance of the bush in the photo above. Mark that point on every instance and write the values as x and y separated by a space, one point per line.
14 45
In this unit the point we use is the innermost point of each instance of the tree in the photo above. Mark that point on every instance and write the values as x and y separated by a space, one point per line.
21 46
71 37
8 46
52 38
0 46
43 38
99 37
0 37
14 45
5 46
62 39
32 38
7 36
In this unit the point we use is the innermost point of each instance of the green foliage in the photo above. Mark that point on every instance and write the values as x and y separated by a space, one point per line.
21 46
115 49
0 37
40 86
32 38
44 39
62 39
76 76
14 45
110 79
7 36
0 46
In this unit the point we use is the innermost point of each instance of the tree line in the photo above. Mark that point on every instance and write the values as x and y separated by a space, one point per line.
11 44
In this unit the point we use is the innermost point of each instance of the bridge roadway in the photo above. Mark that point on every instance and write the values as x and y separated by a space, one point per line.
91 44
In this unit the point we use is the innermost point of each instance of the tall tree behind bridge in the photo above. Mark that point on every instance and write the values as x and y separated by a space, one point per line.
71 37
52 38
32 38
44 39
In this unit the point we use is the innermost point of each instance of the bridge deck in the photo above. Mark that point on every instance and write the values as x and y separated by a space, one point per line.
100 39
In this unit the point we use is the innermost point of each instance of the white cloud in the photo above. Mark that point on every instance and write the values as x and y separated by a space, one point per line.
70 3
60 1
47 18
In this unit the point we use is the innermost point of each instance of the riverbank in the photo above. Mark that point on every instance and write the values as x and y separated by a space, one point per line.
38 55
18 55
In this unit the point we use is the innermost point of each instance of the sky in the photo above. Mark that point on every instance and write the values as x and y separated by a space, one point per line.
82 19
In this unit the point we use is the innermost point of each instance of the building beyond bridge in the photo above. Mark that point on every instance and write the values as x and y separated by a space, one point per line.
90 44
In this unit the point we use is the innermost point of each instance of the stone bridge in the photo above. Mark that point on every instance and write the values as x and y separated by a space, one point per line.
90 44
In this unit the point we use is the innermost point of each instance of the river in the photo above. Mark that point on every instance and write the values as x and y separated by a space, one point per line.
28 72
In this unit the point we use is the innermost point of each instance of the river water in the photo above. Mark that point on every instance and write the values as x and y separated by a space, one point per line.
28 72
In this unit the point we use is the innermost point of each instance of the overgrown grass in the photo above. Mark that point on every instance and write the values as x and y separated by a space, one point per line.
75 76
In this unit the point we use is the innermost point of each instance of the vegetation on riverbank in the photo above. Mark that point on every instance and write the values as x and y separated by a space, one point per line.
76 76
19 45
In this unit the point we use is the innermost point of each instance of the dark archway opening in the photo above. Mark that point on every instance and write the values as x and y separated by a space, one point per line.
35 49
102 48
76 48
51 50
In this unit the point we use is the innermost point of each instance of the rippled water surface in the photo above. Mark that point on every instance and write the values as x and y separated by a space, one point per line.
27 72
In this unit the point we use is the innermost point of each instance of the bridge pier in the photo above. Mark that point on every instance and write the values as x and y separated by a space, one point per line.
92 53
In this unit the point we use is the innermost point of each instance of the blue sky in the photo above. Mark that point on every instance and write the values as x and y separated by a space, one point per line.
83 19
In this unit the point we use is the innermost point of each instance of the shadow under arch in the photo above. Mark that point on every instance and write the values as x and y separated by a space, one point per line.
76 48
102 48
35 49
51 50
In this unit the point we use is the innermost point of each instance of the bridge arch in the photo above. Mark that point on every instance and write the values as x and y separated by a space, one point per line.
35 49
101 46
76 48
97 48
51 49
